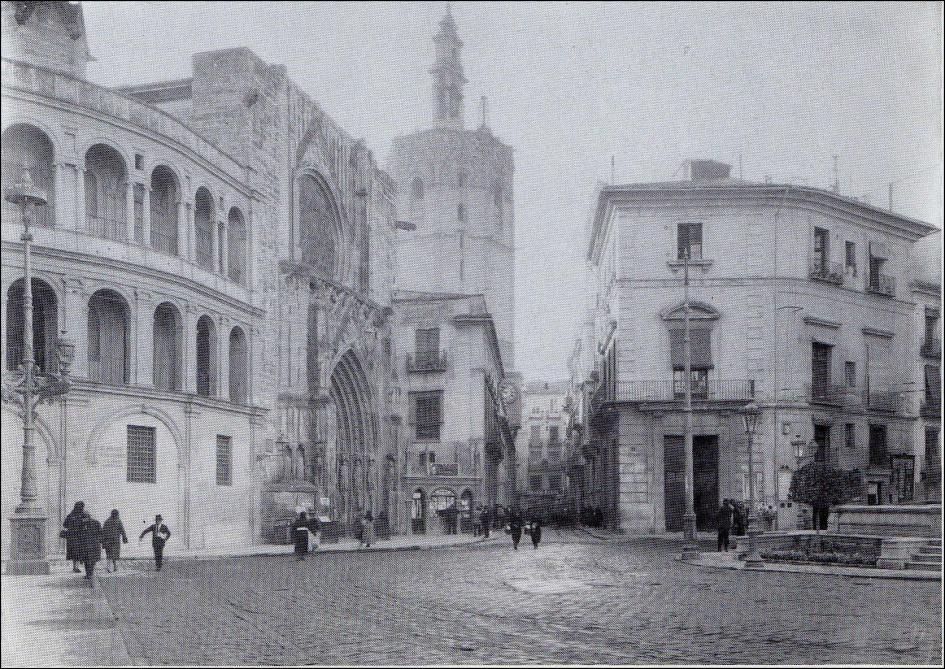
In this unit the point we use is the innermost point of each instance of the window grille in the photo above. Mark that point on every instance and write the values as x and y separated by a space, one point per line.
224 460
142 454
108 339
105 193
428 414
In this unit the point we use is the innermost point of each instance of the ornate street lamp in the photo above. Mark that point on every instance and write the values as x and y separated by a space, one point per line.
27 388
750 415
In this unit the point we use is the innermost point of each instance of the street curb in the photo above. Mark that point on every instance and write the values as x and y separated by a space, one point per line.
887 574
132 646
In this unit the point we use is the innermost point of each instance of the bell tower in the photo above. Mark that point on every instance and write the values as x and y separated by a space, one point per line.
448 79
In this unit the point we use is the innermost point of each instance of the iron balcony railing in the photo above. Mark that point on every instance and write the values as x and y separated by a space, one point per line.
884 401
881 284
426 361
931 347
824 270
831 393
734 390
435 469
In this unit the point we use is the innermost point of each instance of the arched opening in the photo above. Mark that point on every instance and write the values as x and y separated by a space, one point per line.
319 227
28 147
203 228
239 363
167 347
164 198
236 246
105 193
45 325
418 512
206 357
443 503
466 510
108 338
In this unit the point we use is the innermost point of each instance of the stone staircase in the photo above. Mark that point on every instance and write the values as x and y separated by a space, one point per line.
927 557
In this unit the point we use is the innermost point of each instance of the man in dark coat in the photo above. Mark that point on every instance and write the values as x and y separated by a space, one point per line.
113 535
160 533
300 529
72 525
724 524
90 544
486 520
536 532
515 529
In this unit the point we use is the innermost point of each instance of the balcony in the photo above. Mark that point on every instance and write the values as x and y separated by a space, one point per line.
436 469
734 390
835 394
881 284
426 361
931 348
931 406
884 401
823 270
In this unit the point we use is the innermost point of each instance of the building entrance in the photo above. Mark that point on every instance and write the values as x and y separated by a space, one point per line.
705 460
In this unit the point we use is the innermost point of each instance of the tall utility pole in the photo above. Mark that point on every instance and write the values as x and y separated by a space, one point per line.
690 548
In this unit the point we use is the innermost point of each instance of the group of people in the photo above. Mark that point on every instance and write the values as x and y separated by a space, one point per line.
730 520
86 537
306 533
516 526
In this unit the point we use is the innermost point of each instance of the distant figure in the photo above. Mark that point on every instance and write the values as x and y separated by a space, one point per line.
72 523
738 519
113 536
315 533
367 530
485 520
160 533
90 544
536 532
515 529
724 524
300 535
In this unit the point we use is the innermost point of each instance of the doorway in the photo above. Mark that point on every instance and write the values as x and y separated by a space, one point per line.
705 465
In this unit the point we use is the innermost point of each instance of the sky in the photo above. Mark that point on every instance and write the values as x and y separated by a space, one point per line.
778 88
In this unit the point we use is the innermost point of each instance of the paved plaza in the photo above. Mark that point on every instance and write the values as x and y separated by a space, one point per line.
574 600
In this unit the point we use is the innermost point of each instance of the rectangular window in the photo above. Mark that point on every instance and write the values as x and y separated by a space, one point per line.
428 414
700 348
850 434
820 368
879 456
142 454
689 241
553 435
851 258
931 324
849 370
822 437
821 248
224 460
427 341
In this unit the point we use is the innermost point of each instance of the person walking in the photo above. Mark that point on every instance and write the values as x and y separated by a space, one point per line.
113 536
724 524
160 533
515 529
486 521
536 531
90 545
72 524
300 535
367 531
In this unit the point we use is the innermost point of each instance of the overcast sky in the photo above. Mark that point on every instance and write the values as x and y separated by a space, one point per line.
786 86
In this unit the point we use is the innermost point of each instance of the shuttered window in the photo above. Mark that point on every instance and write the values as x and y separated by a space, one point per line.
142 454
428 341
700 346
689 241
224 460
427 413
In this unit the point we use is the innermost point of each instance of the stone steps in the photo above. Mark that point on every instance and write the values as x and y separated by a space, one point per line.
925 557
923 566
931 550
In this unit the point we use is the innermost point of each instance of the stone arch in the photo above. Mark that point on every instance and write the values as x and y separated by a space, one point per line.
106 191
27 146
204 226
206 354
702 311
109 337
321 225
12 119
110 143
45 324
165 188
168 344
95 436
236 245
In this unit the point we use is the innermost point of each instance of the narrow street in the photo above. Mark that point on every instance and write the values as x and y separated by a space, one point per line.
575 599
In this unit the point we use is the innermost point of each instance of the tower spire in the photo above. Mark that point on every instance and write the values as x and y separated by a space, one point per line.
447 71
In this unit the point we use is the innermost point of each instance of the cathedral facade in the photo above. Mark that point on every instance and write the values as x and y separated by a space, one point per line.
222 255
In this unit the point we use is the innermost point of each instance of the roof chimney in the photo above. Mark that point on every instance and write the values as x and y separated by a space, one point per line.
707 170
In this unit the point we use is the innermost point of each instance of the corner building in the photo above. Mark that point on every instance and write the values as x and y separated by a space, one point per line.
800 301
222 255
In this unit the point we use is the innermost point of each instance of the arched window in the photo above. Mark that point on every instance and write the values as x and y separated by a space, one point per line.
203 228
206 357
239 366
108 338
167 347
45 325
318 227
236 246
164 198
105 193
27 147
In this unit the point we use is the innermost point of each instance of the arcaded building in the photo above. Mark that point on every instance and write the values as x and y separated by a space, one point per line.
222 255
800 302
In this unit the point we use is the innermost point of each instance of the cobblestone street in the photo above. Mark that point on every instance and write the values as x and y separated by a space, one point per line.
573 600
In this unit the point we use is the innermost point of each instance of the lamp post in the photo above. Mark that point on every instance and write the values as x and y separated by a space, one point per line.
750 418
27 389
690 546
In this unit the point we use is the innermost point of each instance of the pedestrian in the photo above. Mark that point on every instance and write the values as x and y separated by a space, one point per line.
515 529
477 522
160 533
536 531
113 536
90 544
367 530
300 535
315 533
486 521
724 524
738 519
72 523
